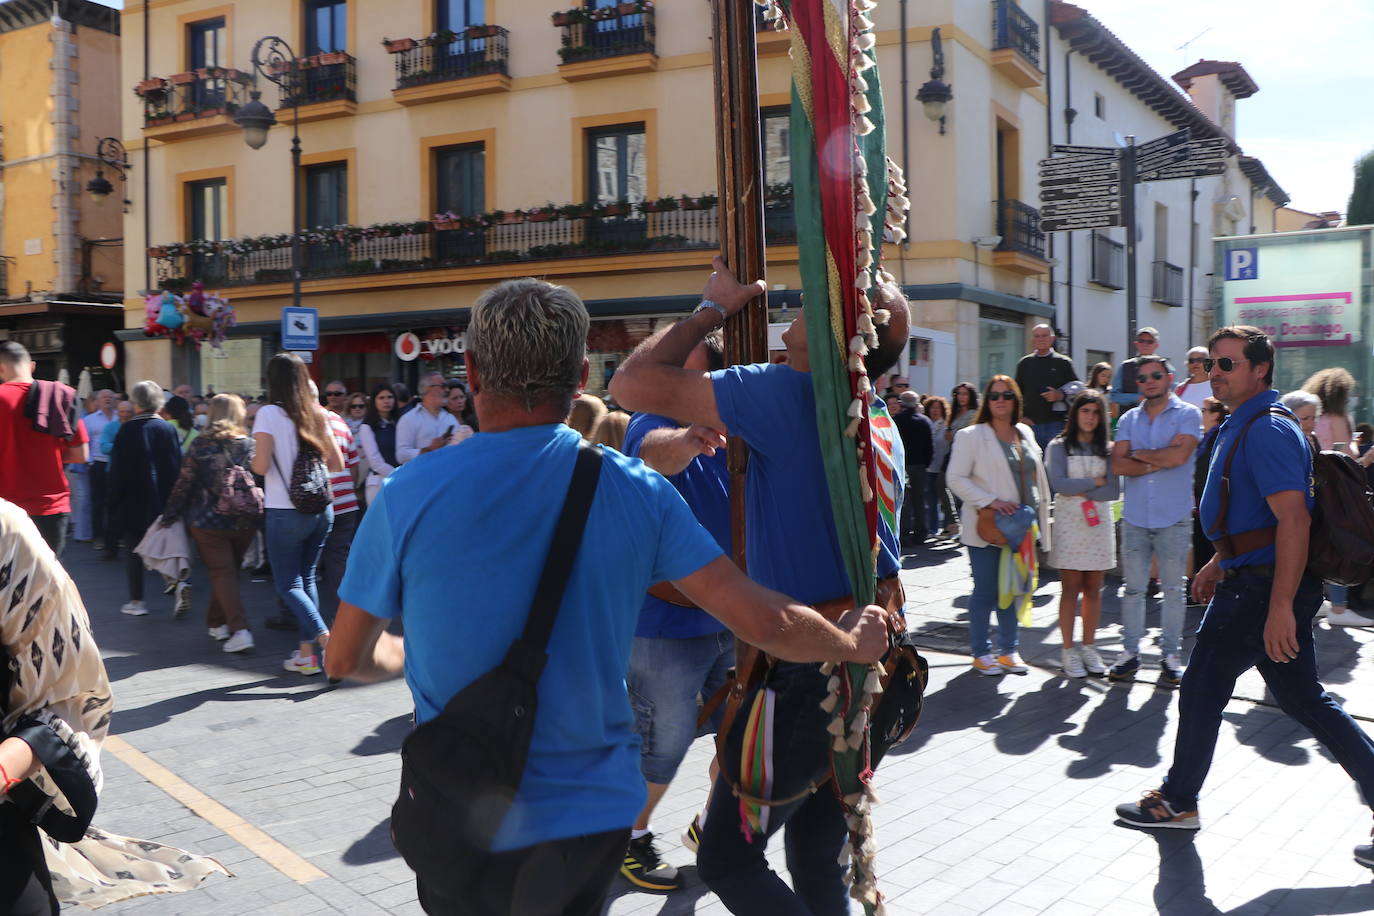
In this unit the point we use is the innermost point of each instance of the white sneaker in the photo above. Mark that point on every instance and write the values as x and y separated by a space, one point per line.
1091 660
1012 663
135 609
986 664
183 599
1324 610
239 642
1072 663
306 665
220 632
1348 618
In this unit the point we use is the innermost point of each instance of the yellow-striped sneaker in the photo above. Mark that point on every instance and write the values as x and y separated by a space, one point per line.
691 837
643 867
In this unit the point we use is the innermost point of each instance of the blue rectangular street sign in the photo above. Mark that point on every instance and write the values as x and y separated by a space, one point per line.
300 328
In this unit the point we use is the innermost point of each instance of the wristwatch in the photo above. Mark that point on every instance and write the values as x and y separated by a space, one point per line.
708 304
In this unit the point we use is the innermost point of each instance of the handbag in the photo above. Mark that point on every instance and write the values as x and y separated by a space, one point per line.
987 516
239 494
460 771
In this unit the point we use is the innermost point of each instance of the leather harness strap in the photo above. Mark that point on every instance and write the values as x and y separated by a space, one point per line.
1229 546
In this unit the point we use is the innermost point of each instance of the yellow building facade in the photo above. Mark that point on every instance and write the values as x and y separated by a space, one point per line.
520 105
63 264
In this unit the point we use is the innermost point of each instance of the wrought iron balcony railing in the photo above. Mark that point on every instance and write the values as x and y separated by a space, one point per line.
324 77
610 31
1167 283
1013 28
188 96
1019 226
1108 267
543 234
476 51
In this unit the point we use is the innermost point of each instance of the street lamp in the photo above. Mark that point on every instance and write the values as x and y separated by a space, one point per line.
935 94
110 152
275 62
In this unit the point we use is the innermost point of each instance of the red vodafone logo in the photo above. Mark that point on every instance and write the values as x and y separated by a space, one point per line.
407 346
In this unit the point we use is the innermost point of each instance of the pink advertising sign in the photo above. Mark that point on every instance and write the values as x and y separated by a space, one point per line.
1302 320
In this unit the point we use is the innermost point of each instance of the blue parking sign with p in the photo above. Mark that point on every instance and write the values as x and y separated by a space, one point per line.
1242 264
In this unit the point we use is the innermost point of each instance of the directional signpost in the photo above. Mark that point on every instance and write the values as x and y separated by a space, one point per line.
1090 187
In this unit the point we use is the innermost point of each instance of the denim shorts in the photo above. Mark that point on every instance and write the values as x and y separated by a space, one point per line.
666 675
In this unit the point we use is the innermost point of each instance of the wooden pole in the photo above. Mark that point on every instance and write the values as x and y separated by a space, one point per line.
739 166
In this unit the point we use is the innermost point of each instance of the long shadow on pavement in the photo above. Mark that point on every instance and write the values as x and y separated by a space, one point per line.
1115 734
679 903
1036 716
968 700
374 846
1181 889
137 718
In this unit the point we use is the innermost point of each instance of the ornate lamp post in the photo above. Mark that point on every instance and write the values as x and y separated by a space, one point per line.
935 94
274 60
110 152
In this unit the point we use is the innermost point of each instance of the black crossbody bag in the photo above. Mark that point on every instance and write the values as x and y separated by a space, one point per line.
460 770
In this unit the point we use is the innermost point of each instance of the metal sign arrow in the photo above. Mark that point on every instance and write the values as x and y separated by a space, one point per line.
1161 158
1079 222
1080 167
1069 149
1169 141
1186 170
1210 143
1073 181
1079 208
1080 192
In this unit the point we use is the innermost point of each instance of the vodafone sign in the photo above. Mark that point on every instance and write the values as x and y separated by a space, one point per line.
407 346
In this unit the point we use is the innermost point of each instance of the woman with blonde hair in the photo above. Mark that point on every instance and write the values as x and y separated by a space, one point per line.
295 453
1334 429
222 525
996 466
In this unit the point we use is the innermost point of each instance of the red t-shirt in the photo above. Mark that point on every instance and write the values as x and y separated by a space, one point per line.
31 474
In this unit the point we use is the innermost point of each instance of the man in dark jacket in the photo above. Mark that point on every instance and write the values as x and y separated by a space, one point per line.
1041 375
918 440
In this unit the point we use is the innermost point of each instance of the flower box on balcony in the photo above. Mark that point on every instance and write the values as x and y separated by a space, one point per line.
181 79
186 116
332 57
619 208
153 88
542 215
481 31
158 120
157 251
397 45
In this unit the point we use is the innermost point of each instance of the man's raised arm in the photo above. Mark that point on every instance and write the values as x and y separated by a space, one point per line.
652 378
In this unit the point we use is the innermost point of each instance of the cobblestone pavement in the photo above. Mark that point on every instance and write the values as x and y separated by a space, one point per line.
1000 803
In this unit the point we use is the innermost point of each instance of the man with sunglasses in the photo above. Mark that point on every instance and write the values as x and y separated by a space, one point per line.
1262 600
429 426
1124 391
1196 388
1154 448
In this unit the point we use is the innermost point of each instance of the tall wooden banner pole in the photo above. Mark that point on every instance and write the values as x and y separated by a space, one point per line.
739 165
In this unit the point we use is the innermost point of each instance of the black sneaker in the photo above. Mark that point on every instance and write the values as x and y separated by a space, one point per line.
1125 667
643 868
1365 855
1170 674
691 837
1153 811
1152 590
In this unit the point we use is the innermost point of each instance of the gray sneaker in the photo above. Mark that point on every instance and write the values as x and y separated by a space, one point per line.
1072 663
1092 661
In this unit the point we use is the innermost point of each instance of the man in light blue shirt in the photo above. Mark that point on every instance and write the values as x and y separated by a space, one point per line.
1155 441
429 426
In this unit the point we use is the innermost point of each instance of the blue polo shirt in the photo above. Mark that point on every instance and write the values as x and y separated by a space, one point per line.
791 541
1161 498
705 485
1272 457
455 542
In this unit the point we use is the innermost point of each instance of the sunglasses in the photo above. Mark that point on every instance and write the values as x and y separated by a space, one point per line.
1224 363
1148 340
1147 376
357 407
1001 395
1195 359
336 394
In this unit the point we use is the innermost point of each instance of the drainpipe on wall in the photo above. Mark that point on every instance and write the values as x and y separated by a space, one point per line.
66 246
1192 257
1049 151
906 137
147 176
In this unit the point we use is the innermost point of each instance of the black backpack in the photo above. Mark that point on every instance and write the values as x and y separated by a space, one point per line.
1340 547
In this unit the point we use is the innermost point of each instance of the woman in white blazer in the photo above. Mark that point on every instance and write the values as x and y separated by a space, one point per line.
996 464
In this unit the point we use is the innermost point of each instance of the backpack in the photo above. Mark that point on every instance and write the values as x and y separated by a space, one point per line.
1340 546
308 486
239 494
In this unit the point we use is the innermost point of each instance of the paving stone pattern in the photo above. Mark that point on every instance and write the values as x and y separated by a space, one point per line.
1000 803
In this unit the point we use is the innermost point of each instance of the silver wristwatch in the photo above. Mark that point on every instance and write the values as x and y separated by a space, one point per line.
708 304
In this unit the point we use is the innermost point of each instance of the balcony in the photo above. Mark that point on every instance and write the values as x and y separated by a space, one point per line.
685 227
454 65
769 40
324 85
1016 44
1022 249
1166 284
609 41
1108 262
194 104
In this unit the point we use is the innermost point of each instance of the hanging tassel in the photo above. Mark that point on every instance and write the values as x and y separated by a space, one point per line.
833 685
873 683
827 667
865 257
863 23
865 488
866 41
870 794
881 316
839 746
856 345
856 409
856 363
843 859
852 429
858 83
829 703
859 724
865 203
836 726
895 235
860 102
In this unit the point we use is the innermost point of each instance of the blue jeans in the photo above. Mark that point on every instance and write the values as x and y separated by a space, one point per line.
79 479
735 869
984 562
938 513
665 677
1171 545
294 541
1044 432
1229 643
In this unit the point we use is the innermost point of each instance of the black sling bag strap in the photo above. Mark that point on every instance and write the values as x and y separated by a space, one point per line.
460 770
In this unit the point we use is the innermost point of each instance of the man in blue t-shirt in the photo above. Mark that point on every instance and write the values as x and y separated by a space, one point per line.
1262 598
679 650
791 544
464 590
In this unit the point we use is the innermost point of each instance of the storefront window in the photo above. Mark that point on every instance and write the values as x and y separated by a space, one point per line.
1001 342
610 340
235 369
360 361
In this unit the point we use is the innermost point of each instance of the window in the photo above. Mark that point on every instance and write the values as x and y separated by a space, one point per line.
326 194
205 43
616 167
456 15
1001 342
206 210
326 27
777 145
460 179
1099 106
